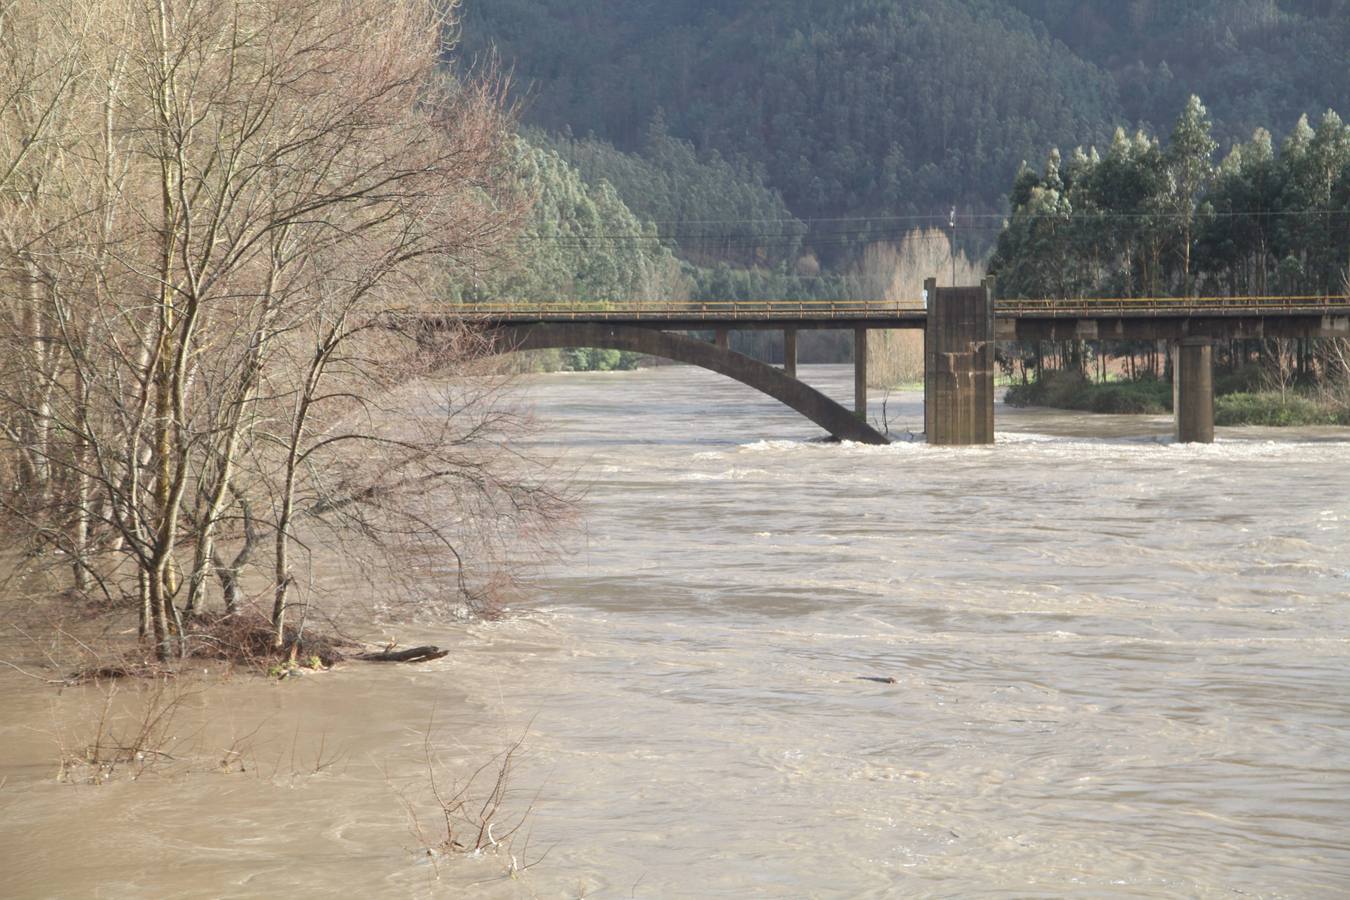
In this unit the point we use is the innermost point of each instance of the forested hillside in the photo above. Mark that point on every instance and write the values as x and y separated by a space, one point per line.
886 108
580 241
1257 63
709 209
857 107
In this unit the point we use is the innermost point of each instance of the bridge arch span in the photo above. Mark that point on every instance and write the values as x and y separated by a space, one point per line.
811 403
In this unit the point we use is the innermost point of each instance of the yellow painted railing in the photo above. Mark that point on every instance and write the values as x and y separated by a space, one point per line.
1165 304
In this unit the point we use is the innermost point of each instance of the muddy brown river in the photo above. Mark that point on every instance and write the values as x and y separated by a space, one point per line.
1108 666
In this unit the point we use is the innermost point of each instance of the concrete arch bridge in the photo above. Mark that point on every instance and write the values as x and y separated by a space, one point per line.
961 327
716 357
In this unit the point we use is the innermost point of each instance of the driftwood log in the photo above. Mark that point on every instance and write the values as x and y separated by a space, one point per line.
413 654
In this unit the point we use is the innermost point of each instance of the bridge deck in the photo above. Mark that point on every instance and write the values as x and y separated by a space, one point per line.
890 314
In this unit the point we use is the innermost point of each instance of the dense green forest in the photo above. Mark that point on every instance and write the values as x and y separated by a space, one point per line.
1148 218
711 210
1259 63
579 242
883 108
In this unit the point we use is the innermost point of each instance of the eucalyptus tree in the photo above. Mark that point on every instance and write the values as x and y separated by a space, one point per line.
1313 228
1189 158
1144 219
1237 244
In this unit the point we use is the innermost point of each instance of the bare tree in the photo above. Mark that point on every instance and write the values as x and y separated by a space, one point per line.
199 293
896 273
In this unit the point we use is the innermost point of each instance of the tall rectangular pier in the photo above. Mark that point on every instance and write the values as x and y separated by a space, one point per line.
958 391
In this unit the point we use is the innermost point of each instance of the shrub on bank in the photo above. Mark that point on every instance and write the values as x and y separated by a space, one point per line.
1069 390
590 359
1270 408
583 359
1137 397
1246 380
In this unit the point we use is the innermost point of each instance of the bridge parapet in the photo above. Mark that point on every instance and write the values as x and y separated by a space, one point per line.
1018 318
712 311
1102 307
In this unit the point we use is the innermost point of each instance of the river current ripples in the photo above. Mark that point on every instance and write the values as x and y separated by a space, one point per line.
1104 664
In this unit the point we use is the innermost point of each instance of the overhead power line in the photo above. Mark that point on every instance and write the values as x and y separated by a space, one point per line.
980 222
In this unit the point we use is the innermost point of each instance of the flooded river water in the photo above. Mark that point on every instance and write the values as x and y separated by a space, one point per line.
1121 667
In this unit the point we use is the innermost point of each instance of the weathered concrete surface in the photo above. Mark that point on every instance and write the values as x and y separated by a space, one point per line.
1112 324
790 351
860 373
1163 327
1193 390
805 399
959 365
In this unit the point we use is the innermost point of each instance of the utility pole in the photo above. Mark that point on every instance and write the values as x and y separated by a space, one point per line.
951 223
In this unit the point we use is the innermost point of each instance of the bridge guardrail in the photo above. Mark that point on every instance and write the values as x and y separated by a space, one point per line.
711 309
1163 305
732 310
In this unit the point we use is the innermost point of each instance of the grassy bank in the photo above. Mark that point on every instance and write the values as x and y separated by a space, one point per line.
1273 408
1059 390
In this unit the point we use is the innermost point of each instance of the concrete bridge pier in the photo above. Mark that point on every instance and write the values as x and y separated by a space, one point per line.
1193 390
790 352
860 373
722 338
958 389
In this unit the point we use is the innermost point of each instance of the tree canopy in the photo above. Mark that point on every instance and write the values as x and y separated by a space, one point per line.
1144 219
580 241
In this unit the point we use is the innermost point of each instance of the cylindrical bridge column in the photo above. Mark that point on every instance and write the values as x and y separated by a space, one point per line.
860 373
1193 390
722 338
790 351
